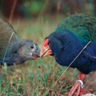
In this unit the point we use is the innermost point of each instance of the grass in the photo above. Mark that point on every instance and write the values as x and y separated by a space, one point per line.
35 78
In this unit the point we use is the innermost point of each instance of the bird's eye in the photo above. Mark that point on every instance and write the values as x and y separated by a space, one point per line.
50 43
15 52
32 47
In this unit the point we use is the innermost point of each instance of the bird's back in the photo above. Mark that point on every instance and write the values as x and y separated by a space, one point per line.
84 26
7 36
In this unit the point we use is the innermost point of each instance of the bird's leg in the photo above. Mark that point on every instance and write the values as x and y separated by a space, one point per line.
78 87
82 76
82 90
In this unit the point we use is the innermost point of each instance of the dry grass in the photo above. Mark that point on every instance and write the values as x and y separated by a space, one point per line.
35 78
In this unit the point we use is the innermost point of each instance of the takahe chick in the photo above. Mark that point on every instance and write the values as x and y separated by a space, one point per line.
75 35
13 50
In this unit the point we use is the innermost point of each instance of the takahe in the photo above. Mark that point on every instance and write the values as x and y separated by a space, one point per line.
75 35
13 50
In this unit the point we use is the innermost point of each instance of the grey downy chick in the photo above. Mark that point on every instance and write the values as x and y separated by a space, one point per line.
13 49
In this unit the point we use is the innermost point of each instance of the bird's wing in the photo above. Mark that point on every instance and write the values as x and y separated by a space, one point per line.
84 26
7 35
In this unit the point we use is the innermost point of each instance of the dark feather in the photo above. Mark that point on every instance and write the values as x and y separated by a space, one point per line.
84 26
70 37
12 48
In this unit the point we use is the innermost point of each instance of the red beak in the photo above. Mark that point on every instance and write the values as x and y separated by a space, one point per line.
45 49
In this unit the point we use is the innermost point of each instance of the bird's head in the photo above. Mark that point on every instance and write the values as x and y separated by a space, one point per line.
52 46
25 50
29 50
45 49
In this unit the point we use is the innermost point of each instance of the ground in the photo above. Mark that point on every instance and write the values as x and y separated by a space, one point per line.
36 77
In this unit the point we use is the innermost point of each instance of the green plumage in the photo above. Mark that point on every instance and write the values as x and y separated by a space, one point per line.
7 36
83 26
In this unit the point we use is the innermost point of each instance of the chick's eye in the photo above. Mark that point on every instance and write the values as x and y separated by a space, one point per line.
32 47
15 52
50 43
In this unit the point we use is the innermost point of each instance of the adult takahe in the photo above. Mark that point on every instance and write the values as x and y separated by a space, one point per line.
75 34
13 50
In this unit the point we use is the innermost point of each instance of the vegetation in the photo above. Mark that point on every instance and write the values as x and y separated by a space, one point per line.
35 20
35 78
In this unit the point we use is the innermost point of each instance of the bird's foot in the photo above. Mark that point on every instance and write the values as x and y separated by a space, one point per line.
83 91
77 89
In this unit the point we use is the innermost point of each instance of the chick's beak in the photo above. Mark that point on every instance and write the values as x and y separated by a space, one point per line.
45 51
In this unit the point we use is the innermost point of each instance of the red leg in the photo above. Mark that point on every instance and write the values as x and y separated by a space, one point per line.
82 76
77 88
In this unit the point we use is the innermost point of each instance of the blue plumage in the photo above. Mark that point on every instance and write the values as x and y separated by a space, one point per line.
66 44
